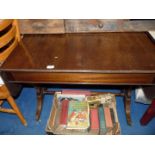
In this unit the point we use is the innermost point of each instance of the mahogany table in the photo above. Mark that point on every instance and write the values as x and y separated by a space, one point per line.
108 58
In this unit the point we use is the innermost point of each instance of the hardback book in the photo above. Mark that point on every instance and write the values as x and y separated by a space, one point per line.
103 128
76 92
108 118
94 121
112 116
64 112
70 97
78 115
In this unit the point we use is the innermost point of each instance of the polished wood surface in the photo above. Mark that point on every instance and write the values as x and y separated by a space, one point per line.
5 23
132 52
126 58
81 78
9 37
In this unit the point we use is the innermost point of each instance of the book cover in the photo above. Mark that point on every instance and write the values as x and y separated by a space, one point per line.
78 115
70 97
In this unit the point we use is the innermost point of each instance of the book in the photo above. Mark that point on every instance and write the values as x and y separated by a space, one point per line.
76 92
108 118
70 97
78 115
103 128
94 121
52 117
64 112
112 116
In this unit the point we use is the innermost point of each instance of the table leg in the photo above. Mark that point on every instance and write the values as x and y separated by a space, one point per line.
40 96
127 103
149 114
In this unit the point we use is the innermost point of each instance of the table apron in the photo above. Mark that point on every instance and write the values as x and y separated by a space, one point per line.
80 78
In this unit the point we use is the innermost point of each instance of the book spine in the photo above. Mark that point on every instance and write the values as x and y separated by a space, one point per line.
108 118
94 121
112 116
103 128
64 112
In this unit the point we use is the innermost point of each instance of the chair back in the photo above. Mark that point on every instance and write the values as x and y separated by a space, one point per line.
9 37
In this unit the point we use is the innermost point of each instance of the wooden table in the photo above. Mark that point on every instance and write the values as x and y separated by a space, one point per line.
125 58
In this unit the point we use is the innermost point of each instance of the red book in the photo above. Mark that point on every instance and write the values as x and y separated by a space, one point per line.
76 92
64 112
94 119
108 118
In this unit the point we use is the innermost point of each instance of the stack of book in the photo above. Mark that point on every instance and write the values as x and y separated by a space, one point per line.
78 114
101 120
74 112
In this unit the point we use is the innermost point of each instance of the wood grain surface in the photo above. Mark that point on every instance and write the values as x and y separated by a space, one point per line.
29 26
41 26
108 25
130 52
83 58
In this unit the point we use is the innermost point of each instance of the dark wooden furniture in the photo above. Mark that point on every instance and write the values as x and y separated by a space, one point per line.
9 39
124 58
42 26
149 114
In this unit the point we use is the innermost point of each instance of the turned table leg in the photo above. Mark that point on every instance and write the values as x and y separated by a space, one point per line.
40 96
41 91
127 103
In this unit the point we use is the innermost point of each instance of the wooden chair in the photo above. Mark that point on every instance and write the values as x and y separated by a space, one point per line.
9 38
149 114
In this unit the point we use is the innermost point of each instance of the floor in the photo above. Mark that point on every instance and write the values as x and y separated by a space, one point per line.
10 124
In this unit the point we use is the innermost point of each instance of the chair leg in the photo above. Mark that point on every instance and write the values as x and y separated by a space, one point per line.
149 114
16 109
1 102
